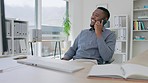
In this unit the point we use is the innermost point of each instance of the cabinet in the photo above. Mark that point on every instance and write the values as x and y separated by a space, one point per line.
120 28
139 27
16 32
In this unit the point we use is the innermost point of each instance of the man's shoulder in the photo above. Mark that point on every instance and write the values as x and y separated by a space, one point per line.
108 31
85 29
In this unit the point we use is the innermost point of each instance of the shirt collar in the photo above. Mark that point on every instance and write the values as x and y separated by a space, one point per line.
91 29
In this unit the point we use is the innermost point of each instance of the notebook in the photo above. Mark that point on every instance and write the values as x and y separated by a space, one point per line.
126 71
52 65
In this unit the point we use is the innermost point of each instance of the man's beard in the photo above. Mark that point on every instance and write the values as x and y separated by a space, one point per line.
92 26
92 23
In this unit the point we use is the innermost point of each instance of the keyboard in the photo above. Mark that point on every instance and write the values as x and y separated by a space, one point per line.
63 67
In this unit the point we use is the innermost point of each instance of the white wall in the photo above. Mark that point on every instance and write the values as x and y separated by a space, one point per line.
89 7
76 19
81 10
114 6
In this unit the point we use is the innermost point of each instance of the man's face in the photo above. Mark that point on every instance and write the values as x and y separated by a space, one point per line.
97 15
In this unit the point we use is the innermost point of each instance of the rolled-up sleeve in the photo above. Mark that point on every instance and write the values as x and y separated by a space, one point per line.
106 46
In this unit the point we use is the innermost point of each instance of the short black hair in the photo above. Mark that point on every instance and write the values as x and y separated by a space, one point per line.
105 11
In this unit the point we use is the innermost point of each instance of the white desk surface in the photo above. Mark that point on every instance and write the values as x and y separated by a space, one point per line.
28 74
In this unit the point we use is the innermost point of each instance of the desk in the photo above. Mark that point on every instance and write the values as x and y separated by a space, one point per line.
57 42
29 74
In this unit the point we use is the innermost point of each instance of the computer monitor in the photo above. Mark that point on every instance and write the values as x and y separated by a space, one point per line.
3 38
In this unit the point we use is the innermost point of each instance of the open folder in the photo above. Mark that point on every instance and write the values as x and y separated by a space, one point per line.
126 71
52 65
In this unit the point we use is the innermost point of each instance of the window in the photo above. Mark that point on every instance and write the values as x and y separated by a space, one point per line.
53 13
20 9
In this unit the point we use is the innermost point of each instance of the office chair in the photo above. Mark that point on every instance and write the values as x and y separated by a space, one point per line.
109 62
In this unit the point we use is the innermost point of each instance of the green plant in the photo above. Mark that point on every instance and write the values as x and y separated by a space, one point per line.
66 22
67 26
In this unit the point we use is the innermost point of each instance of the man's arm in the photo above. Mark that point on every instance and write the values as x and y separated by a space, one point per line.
106 47
72 50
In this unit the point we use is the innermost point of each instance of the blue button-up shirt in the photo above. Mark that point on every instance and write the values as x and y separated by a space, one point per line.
88 46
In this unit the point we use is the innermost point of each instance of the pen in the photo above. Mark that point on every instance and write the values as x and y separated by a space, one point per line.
123 71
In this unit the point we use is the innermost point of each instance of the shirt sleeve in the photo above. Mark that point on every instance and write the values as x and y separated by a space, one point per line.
106 47
72 50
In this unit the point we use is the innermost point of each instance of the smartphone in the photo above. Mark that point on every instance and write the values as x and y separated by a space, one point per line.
104 21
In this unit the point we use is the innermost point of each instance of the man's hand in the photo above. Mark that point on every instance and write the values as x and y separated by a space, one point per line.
64 58
98 28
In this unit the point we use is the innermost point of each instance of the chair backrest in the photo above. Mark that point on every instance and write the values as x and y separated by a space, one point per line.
109 62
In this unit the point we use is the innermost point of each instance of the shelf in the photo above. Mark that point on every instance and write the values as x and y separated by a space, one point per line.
141 9
140 30
18 39
141 19
140 40
120 28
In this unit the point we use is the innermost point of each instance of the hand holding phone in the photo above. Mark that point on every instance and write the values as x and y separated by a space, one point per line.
104 21
99 26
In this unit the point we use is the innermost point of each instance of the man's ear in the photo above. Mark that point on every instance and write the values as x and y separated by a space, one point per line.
106 18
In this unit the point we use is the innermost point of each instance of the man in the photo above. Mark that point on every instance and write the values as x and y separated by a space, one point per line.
96 43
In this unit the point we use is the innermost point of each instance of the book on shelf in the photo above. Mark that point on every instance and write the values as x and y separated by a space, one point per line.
126 71
139 25
118 47
142 26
